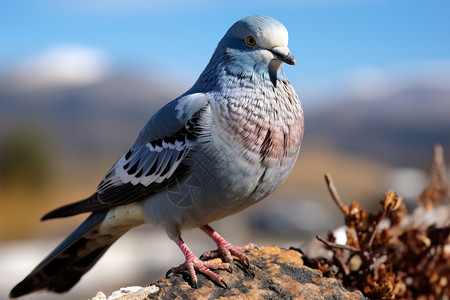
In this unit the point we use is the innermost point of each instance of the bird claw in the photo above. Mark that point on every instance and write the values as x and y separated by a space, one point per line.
223 284
193 264
168 273
227 251
245 262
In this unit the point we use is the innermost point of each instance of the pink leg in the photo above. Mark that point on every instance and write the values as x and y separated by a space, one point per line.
225 249
192 263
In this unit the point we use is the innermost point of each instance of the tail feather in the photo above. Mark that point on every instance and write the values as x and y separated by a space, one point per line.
76 255
87 205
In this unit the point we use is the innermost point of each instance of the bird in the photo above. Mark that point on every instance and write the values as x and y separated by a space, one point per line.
222 146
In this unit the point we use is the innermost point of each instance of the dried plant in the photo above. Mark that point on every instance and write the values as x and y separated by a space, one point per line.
386 260
437 190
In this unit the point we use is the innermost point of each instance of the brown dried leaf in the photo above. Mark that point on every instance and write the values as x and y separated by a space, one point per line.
355 215
397 215
390 201
384 287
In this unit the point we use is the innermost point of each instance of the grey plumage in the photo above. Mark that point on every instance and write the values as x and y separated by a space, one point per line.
225 144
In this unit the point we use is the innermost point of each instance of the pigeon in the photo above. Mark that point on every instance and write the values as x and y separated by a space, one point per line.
228 142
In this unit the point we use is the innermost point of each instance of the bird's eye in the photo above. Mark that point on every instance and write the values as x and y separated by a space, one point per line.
250 41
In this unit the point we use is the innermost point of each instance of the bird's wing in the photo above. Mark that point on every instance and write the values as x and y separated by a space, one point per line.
154 161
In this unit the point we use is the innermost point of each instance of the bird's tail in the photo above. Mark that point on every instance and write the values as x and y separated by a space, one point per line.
63 268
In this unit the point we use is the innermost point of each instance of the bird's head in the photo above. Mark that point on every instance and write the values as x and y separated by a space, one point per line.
256 44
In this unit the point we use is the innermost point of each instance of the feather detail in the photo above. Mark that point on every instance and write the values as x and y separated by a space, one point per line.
152 162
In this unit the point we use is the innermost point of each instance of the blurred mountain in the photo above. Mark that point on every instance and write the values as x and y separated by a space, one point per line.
399 128
85 119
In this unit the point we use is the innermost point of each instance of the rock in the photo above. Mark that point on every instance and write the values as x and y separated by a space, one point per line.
99 296
274 273
128 293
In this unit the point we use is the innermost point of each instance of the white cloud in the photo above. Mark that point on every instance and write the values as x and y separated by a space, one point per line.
60 66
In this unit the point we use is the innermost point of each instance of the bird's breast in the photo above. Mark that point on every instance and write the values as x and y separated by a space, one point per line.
265 129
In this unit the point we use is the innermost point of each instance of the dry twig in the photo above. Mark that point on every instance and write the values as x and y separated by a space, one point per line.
438 188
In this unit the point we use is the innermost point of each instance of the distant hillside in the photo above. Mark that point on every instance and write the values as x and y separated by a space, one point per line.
90 119
400 129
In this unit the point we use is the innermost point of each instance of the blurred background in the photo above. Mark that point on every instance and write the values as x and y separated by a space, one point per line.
79 79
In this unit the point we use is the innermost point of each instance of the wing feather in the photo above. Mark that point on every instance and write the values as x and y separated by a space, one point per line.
153 163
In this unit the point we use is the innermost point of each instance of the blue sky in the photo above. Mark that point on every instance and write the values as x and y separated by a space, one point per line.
330 39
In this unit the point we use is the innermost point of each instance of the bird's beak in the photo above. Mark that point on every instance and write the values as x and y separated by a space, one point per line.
283 54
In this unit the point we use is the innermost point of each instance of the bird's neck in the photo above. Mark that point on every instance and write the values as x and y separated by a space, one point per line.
221 69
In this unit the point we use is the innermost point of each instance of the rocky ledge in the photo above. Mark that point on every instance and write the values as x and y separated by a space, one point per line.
274 273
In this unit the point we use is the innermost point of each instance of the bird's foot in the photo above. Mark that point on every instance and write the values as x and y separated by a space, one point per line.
193 264
225 249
